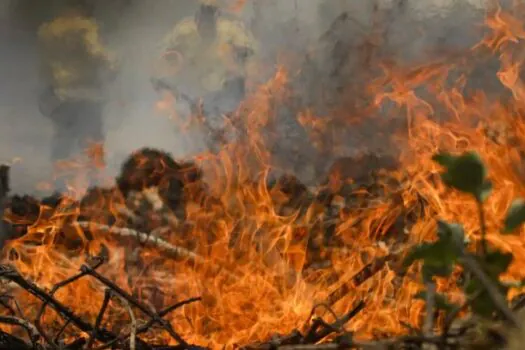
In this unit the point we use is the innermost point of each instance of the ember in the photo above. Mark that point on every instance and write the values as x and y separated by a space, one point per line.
233 250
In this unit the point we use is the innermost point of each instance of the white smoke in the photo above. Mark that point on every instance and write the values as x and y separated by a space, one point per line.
134 30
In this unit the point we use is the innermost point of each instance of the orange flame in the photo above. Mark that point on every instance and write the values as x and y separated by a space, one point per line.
264 285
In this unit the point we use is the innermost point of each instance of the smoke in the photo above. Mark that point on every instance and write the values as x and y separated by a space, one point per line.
131 121
340 45
130 29
23 133
134 28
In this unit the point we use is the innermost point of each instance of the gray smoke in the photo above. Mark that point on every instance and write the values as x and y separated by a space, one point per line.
334 37
132 31
134 28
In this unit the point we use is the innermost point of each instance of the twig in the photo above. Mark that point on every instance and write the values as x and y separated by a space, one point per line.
377 345
451 316
100 316
123 210
428 327
520 304
133 325
359 278
144 328
314 337
343 320
492 291
122 293
159 231
31 330
62 329
164 246
5 303
145 238
294 337
178 305
14 276
56 287
316 306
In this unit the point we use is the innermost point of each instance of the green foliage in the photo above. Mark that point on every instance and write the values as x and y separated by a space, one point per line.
466 173
439 257
515 215
494 264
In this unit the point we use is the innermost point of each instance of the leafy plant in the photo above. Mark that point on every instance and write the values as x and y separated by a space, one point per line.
483 289
468 174
439 257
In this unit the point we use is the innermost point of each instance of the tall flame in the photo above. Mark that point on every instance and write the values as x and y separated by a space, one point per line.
263 285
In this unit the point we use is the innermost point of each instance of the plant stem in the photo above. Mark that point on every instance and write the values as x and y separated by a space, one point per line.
428 327
483 227
498 299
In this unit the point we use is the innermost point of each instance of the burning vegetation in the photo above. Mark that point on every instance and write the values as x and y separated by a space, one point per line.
405 249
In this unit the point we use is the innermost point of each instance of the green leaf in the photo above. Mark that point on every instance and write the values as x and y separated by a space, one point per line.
441 269
441 302
466 173
418 252
515 215
444 159
482 305
495 263
453 235
435 263
439 257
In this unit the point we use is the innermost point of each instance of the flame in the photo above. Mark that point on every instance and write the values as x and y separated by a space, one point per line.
254 247
237 6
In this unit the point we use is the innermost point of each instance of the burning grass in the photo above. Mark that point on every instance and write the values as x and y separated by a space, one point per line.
260 252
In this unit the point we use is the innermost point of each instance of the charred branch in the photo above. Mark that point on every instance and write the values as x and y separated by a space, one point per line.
14 276
136 303
96 332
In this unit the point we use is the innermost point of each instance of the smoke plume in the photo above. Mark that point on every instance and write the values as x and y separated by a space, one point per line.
414 30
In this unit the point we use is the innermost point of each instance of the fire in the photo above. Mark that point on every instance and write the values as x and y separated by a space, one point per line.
237 6
251 254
